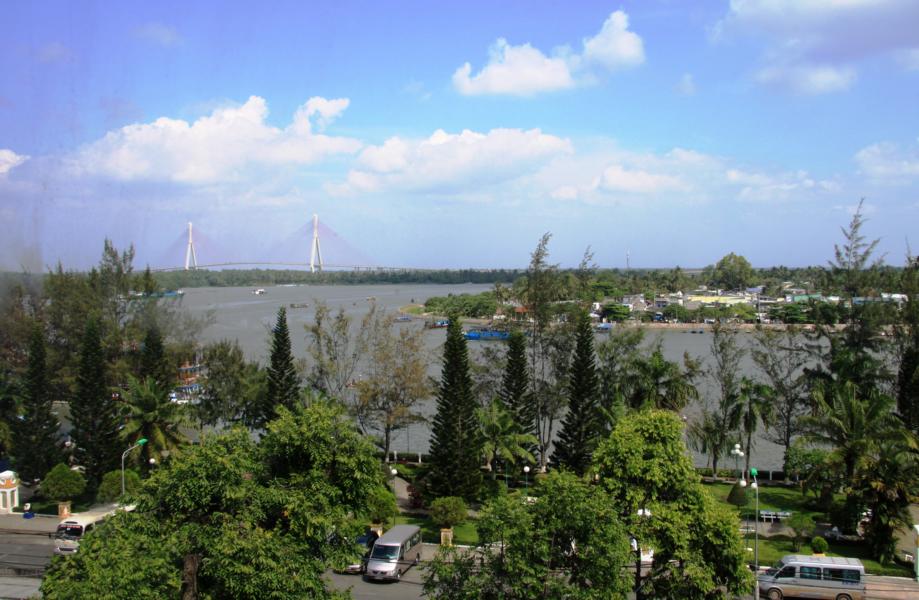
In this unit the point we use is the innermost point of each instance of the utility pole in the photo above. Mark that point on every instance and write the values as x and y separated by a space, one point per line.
315 251
191 259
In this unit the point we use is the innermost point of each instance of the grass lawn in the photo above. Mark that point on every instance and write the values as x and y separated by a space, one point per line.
463 534
49 507
775 498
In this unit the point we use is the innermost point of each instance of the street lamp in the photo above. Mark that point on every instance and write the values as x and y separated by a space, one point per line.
139 443
738 454
394 472
755 485
526 481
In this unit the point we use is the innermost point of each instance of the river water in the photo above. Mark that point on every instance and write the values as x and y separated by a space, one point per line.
237 313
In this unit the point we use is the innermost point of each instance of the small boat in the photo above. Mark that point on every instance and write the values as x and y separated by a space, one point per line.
438 324
487 335
259 291
299 305
403 318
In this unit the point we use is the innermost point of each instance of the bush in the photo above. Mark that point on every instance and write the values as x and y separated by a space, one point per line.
62 484
381 505
110 488
819 545
448 511
738 495
803 526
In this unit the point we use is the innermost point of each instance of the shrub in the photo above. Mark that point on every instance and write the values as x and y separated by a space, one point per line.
819 545
448 511
110 488
803 525
61 484
738 495
381 505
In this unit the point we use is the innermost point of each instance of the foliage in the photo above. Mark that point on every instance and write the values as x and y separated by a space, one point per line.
150 414
233 390
907 336
853 257
335 350
395 380
448 511
754 406
283 382
455 436
381 505
697 550
819 545
739 495
568 544
153 360
93 411
733 272
483 305
34 435
580 429
110 488
501 437
62 484
803 527
725 372
515 383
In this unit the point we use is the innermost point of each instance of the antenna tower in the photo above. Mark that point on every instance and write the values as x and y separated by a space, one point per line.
191 258
628 256
315 251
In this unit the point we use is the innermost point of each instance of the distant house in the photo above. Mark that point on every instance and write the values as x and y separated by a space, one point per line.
635 303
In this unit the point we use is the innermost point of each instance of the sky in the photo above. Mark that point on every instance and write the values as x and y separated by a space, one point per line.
451 135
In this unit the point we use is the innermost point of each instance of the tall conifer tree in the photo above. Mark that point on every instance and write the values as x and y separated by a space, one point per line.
94 411
283 383
35 435
153 361
456 441
581 426
515 392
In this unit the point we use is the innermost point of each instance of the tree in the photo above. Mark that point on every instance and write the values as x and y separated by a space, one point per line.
456 444
62 484
230 518
515 385
854 257
153 360
233 389
733 272
907 336
725 372
580 429
94 412
754 406
781 357
110 488
335 350
569 544
697 549
396 379
802 525
448 511
618 356
501 437
35 434
152 415
283 383
660 383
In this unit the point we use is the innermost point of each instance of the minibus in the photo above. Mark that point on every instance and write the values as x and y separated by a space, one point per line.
394 552
72 529
825 577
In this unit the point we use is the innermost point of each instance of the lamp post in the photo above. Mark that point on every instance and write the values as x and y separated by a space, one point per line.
394 472
139 443
526 481
738 454
643 513
755 486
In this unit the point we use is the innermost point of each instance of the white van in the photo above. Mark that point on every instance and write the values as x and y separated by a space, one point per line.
829 577
394 552
72 529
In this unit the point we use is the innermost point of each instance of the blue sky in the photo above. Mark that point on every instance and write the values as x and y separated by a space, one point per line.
455 134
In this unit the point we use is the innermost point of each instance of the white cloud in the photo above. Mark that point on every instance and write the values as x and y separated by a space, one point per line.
687 85
217 147
9 160
615 178
615 46
158 33
816 45
888 163
806 79
909 59
451 163
524 70
517 70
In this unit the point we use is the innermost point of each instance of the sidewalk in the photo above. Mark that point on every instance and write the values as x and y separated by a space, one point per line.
38 525
19 588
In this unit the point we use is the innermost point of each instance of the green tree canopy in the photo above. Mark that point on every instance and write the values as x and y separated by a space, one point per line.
62 483
733 272
35 434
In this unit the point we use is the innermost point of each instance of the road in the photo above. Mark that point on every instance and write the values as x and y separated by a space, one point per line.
24 554
408 588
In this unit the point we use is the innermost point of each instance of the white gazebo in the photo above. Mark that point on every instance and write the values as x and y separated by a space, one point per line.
9 492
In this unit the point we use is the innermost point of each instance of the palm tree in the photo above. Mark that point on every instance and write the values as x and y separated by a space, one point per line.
754 406
152 415
704 435
660 383
502 438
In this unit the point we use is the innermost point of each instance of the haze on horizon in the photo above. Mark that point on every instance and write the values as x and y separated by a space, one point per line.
454 135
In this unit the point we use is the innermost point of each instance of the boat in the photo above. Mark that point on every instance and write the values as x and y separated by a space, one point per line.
403 318
259 291
604 327
438 324
299 305
487 335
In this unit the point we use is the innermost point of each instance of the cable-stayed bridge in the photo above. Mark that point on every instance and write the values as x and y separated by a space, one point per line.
291 246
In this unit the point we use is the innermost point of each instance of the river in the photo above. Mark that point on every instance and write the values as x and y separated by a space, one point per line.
237 313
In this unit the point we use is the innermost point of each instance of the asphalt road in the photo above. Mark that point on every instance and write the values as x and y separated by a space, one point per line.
409 587
23 552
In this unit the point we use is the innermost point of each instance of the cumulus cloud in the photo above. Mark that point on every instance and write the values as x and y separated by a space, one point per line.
216 147
615 178
818 43
806 79
451 163
524 70
159 34
9 160
888 163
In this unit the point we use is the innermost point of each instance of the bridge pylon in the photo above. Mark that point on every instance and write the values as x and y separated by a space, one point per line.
191 258
315 251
